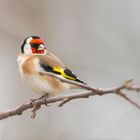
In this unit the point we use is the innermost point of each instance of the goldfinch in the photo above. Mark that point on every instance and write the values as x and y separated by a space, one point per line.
35 59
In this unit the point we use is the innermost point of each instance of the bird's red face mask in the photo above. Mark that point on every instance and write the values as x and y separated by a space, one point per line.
37 46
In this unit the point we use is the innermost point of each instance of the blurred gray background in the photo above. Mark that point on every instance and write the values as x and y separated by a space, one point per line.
99 40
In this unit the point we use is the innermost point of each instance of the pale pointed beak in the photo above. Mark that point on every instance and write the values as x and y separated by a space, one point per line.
41 47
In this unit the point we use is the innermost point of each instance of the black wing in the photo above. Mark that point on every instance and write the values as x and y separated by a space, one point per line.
67 73
71 74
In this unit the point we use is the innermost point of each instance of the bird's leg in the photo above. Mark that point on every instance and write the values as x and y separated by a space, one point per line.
43 98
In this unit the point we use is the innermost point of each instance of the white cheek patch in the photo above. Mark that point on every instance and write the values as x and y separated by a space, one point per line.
29 40
27 49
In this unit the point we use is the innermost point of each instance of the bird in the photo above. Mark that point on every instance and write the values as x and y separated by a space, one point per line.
36 63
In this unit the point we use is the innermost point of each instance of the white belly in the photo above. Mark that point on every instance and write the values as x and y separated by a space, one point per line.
44 87
38 85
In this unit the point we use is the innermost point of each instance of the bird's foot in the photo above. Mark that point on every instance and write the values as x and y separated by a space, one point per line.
43 99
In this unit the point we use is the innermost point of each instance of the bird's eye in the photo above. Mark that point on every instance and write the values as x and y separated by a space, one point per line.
34 45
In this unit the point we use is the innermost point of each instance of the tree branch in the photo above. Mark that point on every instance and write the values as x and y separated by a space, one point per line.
90 91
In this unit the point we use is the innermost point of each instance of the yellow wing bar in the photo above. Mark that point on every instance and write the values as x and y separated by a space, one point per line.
62 73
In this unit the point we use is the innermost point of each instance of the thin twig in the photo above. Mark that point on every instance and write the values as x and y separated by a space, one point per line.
120 93
90 91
